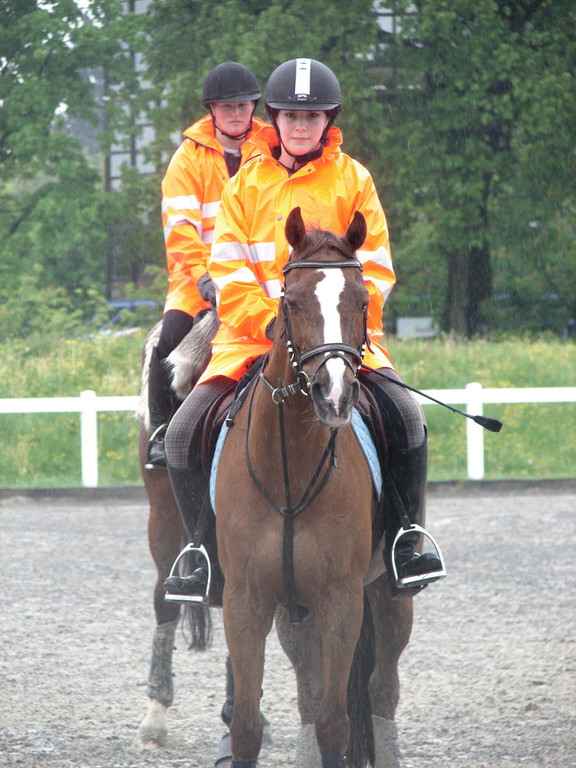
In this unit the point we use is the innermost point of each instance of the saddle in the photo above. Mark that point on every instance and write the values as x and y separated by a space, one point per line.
214 419
225 407
372 418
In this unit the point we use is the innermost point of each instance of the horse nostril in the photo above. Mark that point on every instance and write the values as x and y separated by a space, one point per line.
350 396
317 390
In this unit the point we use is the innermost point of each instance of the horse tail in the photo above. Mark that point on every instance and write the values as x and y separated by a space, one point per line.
197 626
361 745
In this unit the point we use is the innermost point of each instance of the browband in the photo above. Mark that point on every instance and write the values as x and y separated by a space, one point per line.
322 264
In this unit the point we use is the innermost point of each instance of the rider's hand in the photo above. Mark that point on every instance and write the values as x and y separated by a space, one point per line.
270 328
206 289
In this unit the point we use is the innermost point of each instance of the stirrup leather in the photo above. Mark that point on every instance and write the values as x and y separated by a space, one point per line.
421 579
174 572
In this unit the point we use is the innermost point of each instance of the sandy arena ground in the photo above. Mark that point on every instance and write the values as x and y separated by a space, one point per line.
488 680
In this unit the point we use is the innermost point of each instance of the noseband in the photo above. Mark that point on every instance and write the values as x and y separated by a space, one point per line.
329 351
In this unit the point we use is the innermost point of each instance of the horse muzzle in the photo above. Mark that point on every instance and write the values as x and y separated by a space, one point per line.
334 401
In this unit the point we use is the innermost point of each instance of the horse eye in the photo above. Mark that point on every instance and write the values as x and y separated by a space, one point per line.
292 305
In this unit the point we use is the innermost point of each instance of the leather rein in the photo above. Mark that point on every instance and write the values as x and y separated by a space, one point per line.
279 395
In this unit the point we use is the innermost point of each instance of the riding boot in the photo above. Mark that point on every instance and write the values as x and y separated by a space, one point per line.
408 471
191 491
161 406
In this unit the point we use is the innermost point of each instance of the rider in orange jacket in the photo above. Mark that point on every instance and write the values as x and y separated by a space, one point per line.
249 288
300 164
212 151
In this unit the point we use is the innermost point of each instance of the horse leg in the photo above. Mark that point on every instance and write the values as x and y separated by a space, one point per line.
164 540
322 660
340 619
392 620
246 631
302 644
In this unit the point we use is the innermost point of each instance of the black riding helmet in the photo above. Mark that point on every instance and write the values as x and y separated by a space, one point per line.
230 82
303 84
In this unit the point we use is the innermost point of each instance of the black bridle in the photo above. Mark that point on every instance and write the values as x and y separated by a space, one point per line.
279 394
328 351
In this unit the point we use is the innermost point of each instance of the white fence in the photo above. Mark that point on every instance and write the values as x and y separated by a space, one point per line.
472 398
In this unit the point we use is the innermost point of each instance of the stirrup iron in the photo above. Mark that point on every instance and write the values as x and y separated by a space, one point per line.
421 579
156 438
203 599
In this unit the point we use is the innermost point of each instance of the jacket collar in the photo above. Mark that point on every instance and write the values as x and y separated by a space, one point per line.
202 132
266 140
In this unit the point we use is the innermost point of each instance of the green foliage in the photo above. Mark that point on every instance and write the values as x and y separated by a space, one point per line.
466 119
481 97
40 313
47 446
53 212
260 35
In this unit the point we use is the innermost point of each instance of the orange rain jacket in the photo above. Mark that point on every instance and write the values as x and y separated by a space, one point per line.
250 247
191 195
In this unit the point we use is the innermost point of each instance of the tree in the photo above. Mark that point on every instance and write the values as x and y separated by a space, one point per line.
53 210
466 118
260 34
477 89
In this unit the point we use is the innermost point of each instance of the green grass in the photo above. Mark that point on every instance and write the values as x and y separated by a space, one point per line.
537 440
43 450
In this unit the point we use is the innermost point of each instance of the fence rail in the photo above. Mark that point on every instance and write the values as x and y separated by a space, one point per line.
473 397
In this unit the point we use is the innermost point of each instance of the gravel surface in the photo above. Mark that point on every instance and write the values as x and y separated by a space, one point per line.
488 680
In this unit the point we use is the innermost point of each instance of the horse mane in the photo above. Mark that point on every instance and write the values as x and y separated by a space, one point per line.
321 238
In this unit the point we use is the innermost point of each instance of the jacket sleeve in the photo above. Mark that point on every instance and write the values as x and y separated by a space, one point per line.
374 254
182 219
243 304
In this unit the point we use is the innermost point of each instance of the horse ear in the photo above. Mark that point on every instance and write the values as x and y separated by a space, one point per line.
295 229
356 232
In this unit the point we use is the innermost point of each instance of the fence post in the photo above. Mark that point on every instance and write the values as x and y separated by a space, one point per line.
474 432
89 438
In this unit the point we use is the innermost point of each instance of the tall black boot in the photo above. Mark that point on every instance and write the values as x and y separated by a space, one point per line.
162 403
191 491
408 472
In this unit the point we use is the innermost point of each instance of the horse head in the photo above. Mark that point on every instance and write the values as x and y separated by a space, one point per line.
324 308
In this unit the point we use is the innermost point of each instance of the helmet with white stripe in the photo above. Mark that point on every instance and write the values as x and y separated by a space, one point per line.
303 84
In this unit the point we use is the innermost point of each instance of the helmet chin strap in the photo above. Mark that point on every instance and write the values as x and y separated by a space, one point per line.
302 159
308 156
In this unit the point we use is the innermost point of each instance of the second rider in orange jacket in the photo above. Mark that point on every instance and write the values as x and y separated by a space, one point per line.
211 153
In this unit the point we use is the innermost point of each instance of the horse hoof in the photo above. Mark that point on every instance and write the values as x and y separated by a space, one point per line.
153 730
267 738
386 743
307 752
224 756
150 745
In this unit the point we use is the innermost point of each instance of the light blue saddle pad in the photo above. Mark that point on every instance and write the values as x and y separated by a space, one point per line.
362 435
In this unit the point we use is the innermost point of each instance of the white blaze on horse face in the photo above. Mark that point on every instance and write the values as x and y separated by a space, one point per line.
328 291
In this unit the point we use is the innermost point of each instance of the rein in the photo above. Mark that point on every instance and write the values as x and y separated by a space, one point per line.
290 510
279 395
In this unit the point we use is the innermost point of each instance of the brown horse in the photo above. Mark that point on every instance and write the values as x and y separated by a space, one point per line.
294 523
165 531
165 541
